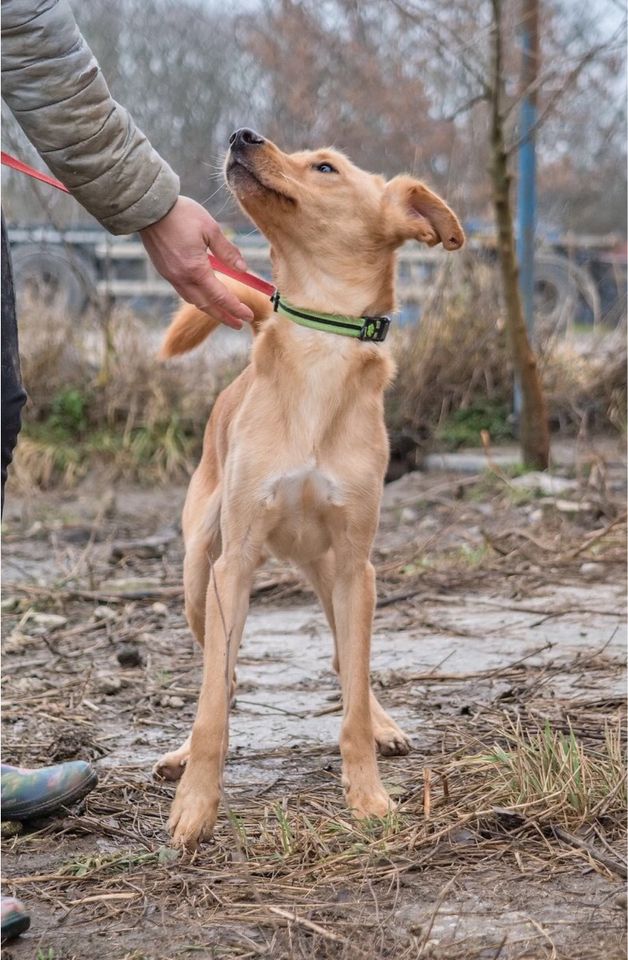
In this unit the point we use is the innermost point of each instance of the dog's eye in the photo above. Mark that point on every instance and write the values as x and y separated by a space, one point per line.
325 168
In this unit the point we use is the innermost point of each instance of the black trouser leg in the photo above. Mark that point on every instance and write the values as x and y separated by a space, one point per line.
13 395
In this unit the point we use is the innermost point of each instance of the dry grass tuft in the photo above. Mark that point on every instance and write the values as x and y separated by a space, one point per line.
553 777
98 397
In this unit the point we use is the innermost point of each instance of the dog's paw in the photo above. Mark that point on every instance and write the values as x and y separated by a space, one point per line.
364 803
194 811
392 741
171 766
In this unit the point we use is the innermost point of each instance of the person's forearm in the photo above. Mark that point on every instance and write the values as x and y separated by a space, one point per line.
49 74
53 84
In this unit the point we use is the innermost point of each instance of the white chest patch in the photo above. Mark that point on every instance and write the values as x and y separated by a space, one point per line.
308 484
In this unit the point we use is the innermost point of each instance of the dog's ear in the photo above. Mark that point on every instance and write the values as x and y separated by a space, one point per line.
413 212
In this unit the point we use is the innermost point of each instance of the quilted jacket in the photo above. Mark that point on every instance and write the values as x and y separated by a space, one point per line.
56 91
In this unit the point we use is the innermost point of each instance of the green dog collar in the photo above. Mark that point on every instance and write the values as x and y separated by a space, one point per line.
373 329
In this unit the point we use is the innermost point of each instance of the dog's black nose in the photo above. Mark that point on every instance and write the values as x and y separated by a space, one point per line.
244 137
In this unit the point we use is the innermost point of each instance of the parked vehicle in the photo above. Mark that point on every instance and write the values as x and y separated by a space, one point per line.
579 279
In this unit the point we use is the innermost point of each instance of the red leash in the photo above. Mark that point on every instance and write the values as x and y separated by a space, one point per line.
10 161
249 279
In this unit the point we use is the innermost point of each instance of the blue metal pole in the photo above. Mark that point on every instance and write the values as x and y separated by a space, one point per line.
526 186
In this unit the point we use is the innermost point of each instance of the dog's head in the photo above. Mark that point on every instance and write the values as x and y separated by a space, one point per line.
316 206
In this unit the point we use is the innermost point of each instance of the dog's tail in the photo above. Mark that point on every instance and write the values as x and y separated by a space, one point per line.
190 326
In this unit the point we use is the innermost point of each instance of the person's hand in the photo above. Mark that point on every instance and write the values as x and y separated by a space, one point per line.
177 246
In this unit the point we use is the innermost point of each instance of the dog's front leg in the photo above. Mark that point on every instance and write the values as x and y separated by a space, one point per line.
354 602
196 802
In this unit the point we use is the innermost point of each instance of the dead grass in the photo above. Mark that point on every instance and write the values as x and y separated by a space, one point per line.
553 777
99 398
297 870
511 800
455 375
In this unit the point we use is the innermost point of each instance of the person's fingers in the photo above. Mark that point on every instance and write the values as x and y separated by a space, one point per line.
209 294
223 248
177 246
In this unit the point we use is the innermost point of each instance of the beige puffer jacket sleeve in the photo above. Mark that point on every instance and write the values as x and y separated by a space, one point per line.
54 87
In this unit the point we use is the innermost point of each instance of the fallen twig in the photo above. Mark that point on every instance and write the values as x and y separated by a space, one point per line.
594 538
315 927
609 862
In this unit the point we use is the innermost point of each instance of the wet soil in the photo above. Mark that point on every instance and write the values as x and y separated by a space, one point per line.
477 627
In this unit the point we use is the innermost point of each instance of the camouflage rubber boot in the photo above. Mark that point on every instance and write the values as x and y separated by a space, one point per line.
15 919
37 793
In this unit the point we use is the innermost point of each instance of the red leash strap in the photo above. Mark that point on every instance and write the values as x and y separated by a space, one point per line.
248 279
16 164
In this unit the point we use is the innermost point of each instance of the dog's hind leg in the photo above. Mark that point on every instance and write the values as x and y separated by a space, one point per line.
171 765
196 570
390 738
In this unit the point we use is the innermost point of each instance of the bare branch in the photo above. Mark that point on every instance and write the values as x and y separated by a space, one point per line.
466 106
568 82
477 72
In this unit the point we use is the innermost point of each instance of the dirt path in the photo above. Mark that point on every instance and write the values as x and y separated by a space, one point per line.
488 618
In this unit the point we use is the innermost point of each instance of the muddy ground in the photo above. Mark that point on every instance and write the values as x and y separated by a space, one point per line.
498 605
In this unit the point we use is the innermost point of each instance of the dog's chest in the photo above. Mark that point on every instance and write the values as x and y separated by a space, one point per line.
302 506
318 395
310 446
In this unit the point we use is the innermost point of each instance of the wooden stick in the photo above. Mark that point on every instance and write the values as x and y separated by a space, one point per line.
609 862
597 536
307 923
427 792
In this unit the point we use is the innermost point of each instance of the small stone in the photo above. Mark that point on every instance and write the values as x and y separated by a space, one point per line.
9 604
148 548
592 571
130 585
109 685
175 702
105 613
429 523
49 621
36 530
10 828
408 515
27 685
129 655
572 506
16 642
159 608
544 482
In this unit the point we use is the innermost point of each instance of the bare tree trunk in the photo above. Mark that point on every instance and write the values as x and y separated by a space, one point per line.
534 428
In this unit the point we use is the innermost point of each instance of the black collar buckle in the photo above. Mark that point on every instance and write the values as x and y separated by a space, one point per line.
374 329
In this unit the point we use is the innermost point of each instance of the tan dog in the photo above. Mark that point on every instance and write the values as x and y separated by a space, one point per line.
296 450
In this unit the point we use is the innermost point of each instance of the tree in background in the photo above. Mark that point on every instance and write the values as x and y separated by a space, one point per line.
396 83
533 423
486 54
343 74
